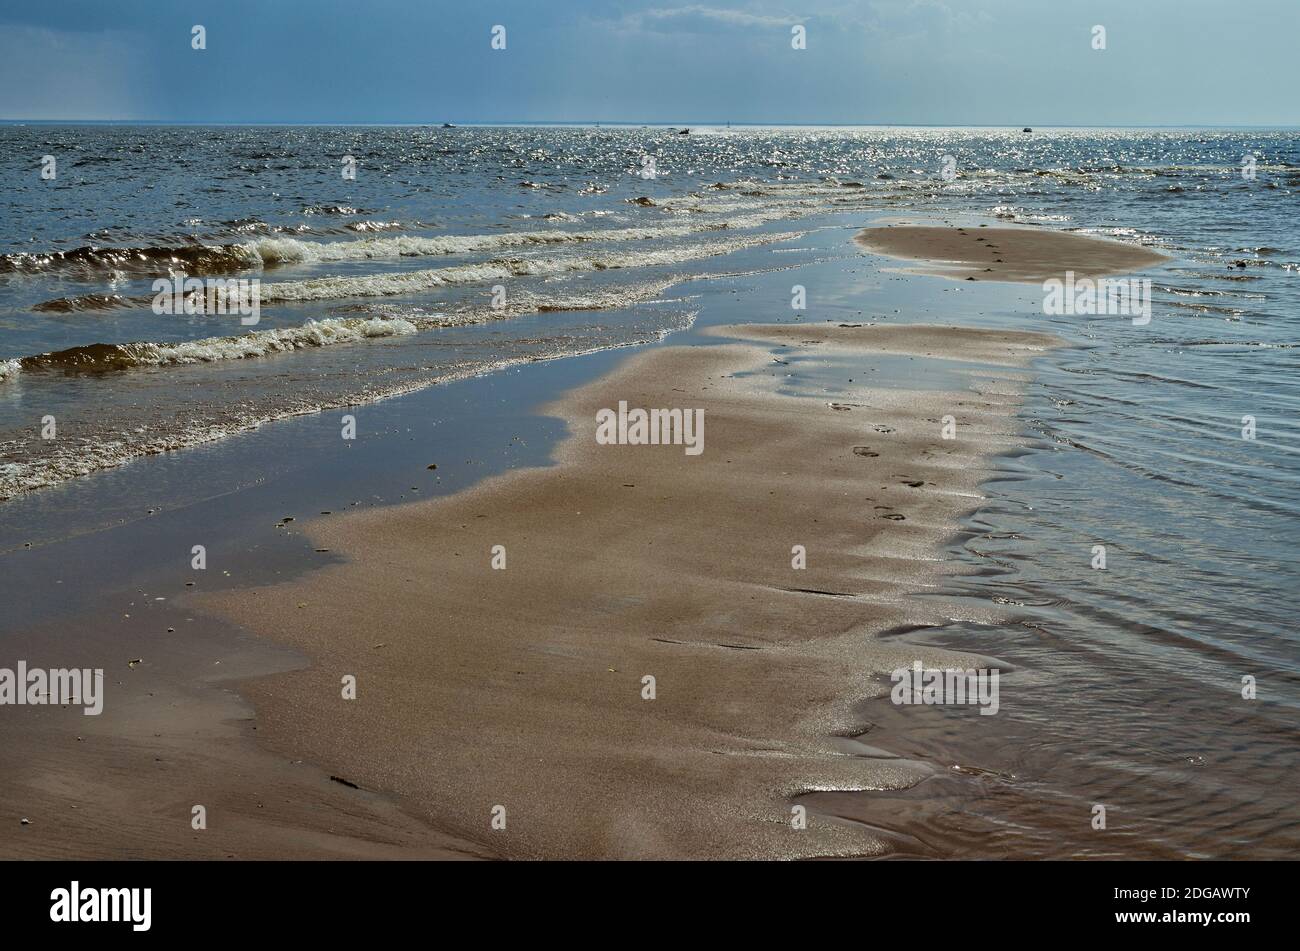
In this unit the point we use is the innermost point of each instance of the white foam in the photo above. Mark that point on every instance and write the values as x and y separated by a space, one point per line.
409 282
9 368
261 343
104 453
271 251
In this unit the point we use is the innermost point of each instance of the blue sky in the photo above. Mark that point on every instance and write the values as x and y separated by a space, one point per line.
931 62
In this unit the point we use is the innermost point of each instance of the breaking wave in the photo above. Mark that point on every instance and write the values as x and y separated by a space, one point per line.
408 282
194 259
269 252
100 358
109 357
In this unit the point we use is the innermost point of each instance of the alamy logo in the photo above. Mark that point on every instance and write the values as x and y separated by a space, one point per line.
933 686
79 687
103 904
180 294
1122 296
655 427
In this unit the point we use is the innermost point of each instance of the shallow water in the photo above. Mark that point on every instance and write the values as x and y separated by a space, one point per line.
562 221
1127 681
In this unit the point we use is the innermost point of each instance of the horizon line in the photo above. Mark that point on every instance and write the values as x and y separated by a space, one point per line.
632 123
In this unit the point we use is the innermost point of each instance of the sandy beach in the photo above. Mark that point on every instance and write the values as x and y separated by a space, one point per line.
633 651
1022 255
480 687
500 638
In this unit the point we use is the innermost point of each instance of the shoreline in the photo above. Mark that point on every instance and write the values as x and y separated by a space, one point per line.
943 251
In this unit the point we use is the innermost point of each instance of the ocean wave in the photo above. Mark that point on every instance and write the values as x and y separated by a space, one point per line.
273 251
332 210
408 282
83 302
269 252
193 258
1015 213
98 358
374 226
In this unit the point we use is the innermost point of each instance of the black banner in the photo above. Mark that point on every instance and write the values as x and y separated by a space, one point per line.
1220 902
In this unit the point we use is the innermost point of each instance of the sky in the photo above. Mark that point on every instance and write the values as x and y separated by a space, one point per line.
904 62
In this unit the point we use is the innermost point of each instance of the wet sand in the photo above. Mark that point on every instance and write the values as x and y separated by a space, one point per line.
174 735
1021 255
523 688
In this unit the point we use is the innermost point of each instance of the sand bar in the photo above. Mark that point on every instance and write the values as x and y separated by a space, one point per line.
1021 255
523 688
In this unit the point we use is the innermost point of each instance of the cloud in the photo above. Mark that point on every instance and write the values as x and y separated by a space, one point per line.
701 19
